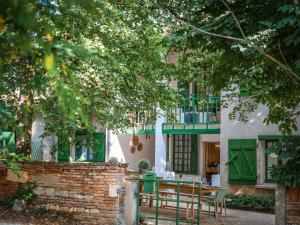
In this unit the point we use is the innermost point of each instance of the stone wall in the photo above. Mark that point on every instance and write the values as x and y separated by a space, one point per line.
86 190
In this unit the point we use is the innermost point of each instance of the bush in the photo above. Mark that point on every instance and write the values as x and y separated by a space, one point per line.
251 202
24 192
143 165
113 160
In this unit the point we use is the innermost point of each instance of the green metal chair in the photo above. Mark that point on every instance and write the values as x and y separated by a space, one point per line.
217 200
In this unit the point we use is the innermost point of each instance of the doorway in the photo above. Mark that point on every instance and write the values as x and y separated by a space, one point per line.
212 160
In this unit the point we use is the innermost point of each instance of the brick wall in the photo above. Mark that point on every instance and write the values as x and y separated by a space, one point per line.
293 206
80 188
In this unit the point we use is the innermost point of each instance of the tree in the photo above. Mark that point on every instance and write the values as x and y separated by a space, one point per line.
74 62
257 46
254 46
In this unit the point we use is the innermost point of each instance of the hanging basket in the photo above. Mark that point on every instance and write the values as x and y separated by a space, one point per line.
140 147
135 140
132 150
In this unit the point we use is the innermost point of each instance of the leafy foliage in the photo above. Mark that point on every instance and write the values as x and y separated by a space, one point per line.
9 157
143 165
24 192
113 160
261 203
254 45
288 170
75 63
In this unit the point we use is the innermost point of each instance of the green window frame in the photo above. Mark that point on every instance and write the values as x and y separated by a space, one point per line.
242 161
185 153
92 150
268 177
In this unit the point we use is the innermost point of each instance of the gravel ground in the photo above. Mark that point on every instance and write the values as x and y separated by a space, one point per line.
234 217
9 217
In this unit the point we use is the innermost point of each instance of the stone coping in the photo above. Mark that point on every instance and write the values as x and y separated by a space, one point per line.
75 164
271 186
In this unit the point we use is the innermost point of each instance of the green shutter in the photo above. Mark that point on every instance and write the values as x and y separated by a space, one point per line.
7 139
99 147
63 149
242 161
193 157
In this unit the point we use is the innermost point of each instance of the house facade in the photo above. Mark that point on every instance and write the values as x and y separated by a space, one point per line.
196 138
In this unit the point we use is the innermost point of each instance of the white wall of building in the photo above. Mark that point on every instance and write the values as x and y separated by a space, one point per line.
41 147
250 130
119 146
160 145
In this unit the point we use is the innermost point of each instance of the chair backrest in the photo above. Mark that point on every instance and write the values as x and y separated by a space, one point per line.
221 194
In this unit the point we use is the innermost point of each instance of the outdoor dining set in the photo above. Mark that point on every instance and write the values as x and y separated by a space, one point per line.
177 200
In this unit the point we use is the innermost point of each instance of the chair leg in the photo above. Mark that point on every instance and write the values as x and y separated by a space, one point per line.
225 208
215 210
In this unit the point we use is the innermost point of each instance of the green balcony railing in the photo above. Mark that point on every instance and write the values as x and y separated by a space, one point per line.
194 109
194 113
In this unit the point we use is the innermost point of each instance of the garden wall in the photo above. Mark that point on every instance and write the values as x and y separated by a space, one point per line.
86 190
293 206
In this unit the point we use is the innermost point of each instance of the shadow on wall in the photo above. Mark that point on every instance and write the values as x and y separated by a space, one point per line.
123 147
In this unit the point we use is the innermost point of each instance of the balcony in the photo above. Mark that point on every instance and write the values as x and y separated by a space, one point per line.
143 123
194 115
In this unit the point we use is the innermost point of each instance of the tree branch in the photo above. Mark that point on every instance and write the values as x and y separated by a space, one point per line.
236 20
244 41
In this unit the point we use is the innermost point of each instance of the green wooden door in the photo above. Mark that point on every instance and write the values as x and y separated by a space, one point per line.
242 161
99 147
63 149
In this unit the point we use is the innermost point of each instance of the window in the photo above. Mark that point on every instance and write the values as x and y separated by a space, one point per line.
271 159
185 153
242 161
86 149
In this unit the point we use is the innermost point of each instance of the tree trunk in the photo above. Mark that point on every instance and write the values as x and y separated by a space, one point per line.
24 123
24 107
280 205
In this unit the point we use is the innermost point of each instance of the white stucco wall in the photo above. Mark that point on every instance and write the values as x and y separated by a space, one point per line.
119 146
41 146
160 145
250 130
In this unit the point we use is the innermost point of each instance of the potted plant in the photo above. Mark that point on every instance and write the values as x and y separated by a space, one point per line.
113 160
143 165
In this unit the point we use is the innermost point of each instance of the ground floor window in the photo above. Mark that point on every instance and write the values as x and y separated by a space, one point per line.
185 153
87 148
271 159
84 150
